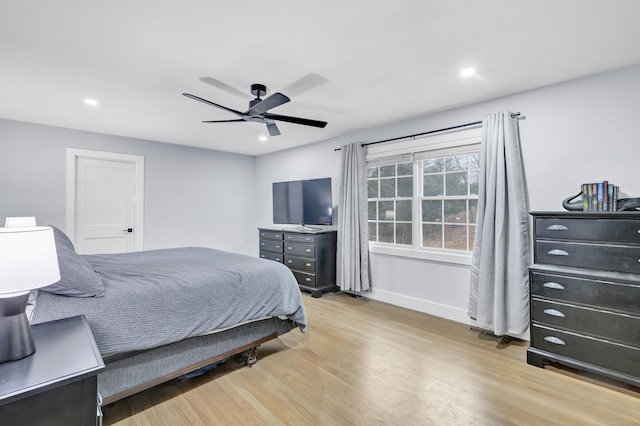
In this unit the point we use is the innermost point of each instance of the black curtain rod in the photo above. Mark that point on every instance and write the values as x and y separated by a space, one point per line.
513 115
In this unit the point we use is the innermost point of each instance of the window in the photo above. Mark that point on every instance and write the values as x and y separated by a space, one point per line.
390 192
426 199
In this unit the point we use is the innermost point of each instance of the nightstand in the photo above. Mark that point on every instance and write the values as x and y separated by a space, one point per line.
57 385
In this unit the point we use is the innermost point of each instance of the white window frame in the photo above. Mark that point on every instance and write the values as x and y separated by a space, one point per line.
448 143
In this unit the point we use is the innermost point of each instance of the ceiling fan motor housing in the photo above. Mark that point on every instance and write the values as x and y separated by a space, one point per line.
258 90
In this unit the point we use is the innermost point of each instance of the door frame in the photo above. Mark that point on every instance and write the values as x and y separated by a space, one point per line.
138 177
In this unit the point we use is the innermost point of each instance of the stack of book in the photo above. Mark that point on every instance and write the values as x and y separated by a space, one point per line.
599 197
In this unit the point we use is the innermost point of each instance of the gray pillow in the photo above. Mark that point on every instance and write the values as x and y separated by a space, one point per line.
77 278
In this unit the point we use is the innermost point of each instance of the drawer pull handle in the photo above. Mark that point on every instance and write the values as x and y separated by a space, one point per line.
289 261
311 239
309 265
308 250
277 246
278 259
308 279
289 248
557 228
553 285
558 252
554 340
263 244
554 313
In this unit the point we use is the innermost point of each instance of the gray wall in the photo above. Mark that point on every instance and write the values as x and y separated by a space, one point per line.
193 197
578 131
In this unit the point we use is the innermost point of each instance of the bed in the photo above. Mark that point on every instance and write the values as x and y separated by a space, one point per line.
159 314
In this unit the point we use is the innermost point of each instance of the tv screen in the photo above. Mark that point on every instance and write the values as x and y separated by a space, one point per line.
304 202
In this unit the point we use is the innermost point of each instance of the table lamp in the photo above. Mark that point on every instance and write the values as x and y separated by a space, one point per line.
28 261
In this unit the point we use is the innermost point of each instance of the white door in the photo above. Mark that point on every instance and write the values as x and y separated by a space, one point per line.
106 203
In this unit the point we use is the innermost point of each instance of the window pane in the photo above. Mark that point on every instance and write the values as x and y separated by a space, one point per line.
388 170
432 185
433 165
455 211
372 210
474 182
432 236
474 161
405 169
403 233
432 211
458 162
472 236
473 211
403 210
372 172
405 187
372 188
386 210
373 231
455 237
387 188
457 183
386 232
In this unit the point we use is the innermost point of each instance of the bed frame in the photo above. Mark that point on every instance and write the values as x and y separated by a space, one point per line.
128 374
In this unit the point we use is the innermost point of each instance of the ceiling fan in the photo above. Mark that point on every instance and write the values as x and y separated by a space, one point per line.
258 110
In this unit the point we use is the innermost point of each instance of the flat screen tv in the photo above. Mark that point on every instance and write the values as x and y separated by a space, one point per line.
303 202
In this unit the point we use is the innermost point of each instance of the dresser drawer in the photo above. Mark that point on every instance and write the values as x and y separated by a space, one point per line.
300 249
271 245
300 238
617 296
599 323
271 235
616 357
301 264
609 230
271 256
308 280
609 258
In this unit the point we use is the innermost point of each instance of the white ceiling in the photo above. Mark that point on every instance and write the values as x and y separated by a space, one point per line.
372 62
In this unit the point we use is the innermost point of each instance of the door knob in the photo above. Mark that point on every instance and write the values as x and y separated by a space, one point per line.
128 230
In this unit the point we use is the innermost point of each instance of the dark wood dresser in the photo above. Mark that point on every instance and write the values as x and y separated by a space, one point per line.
585 292
311 256
57 385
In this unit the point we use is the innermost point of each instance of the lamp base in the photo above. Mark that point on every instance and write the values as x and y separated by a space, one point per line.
16 341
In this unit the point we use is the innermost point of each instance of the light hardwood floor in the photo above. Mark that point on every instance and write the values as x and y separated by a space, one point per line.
365 362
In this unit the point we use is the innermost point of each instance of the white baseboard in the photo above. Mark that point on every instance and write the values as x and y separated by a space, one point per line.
427 307
420 305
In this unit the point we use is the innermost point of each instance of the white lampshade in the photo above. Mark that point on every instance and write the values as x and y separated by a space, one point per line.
16 221
28 259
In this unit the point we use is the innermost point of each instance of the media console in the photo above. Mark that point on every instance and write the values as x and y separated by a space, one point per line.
311 256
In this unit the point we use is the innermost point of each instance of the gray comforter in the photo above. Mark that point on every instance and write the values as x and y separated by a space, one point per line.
157 297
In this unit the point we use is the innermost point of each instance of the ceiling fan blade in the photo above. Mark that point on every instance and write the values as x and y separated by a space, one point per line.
223 121
265 105
296 120
272 128
224 86
188 95
304 84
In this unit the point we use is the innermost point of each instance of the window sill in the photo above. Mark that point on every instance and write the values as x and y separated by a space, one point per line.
436 256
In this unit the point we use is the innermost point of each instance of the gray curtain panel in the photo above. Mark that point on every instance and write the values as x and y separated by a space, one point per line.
353 231
499 299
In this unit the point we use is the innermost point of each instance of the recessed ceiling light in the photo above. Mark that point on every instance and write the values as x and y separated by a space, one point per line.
467 72
262 138
91 102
